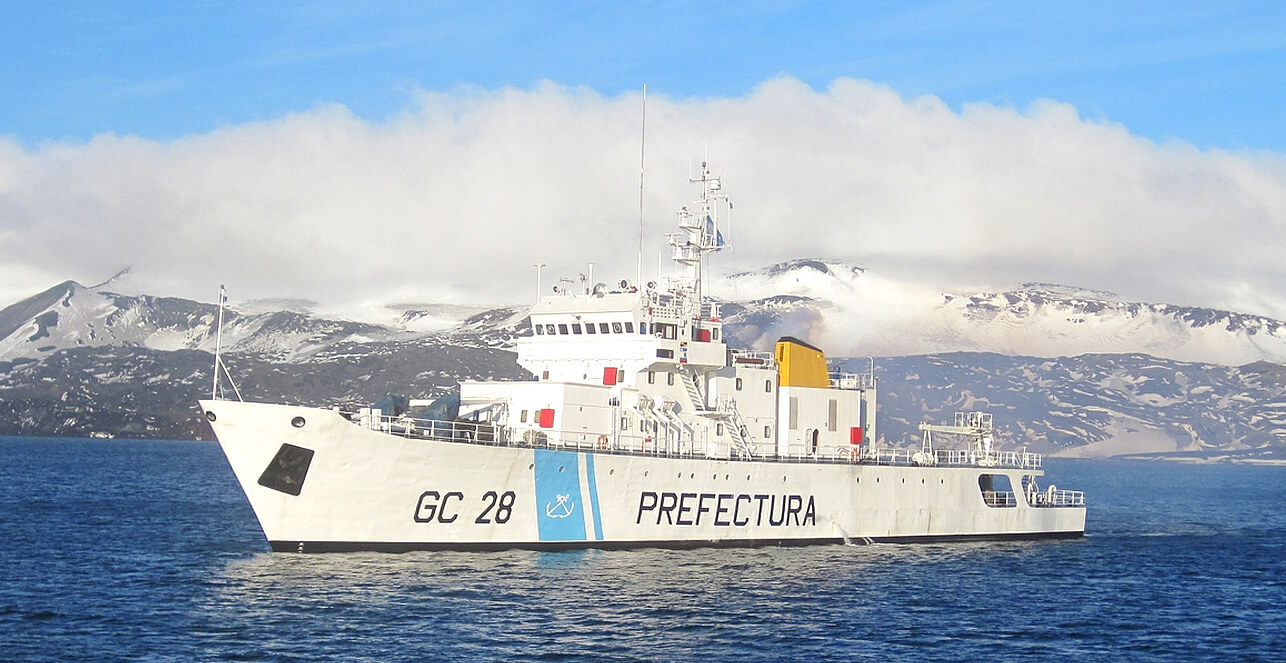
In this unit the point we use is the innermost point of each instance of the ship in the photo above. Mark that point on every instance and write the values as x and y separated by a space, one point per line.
641 427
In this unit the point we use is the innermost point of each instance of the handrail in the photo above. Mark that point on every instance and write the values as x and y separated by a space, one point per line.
687 446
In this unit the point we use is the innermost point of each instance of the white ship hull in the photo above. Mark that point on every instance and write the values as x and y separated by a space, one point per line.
365 489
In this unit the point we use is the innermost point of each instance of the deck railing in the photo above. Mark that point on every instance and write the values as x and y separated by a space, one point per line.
643 443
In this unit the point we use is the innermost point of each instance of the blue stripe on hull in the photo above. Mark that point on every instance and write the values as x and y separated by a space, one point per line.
593 497
560 514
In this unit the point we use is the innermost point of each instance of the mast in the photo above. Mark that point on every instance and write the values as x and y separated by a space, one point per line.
638 278
699 232
218 346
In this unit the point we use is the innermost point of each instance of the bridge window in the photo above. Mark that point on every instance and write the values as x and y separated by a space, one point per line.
602 328
629 327
540 329
575 327
562 328
589 328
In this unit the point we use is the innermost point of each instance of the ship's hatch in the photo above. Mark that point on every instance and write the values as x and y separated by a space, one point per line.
287 470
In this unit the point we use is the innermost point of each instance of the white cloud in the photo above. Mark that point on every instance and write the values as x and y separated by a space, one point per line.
456 198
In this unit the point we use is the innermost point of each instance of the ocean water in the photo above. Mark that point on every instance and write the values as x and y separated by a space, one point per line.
147 551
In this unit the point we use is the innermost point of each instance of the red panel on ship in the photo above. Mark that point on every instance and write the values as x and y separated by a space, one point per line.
609 375
855 435
547 418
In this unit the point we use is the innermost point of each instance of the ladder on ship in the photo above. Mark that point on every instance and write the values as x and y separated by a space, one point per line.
737 428
694 393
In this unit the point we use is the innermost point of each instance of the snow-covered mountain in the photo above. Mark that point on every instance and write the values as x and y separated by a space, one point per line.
1065 371
851 311
70 315
845 309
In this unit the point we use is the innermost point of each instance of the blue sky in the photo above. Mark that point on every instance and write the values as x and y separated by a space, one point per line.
1131 147
1204 72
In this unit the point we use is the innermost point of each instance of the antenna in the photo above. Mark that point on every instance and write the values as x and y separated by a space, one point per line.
218 343
642 153
218 354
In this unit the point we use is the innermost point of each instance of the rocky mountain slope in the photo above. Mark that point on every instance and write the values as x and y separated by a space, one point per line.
80 361
853 312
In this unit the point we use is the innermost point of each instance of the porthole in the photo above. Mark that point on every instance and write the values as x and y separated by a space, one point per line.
679 475
747 477
561 468
922 481
727 476
611 472
714 476
903 479
645 472
783 478
531 466
692 476
209 416
297 422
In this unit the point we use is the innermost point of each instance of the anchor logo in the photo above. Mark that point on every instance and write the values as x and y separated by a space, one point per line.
561 507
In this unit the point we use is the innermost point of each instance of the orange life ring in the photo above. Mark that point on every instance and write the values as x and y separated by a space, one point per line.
602 441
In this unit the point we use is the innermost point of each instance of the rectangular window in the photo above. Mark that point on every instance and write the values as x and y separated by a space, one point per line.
651 377
575 327
562 328
625 423
832 414
794 413
590 328
522 417
540 329
665 354
768 386
738 384
669 379
602 327
767 432
718 430
629 328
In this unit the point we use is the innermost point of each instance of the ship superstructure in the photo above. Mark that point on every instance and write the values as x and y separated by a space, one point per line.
641 427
